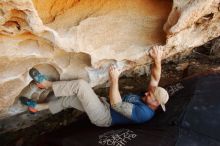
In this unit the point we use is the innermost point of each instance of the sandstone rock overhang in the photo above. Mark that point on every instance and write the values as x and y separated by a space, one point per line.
80 38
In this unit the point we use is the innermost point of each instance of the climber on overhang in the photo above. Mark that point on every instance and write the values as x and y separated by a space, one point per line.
126 109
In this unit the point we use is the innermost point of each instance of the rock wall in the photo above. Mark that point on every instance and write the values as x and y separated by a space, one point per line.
80 38
215 49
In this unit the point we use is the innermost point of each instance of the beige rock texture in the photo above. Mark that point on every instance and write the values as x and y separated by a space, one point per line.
81 38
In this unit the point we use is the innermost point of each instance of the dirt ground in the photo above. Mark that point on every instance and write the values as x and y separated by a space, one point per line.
173 71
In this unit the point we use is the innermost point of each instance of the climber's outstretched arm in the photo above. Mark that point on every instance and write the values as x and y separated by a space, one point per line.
156 54
114 94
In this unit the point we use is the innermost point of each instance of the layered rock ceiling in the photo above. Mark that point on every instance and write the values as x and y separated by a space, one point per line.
80 38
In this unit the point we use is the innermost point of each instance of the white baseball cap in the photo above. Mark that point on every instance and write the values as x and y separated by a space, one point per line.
162 96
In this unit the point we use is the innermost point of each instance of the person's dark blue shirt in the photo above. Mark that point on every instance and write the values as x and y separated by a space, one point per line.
140 111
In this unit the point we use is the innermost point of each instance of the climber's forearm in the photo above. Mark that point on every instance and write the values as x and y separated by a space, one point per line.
114 94
155 73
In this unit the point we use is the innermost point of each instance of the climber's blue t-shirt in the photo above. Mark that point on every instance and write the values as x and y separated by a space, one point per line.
140 111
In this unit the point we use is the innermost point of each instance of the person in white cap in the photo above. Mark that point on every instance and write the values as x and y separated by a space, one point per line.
136 108
126 109
156 95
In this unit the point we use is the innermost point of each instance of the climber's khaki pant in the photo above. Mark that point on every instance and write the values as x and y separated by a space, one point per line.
78 94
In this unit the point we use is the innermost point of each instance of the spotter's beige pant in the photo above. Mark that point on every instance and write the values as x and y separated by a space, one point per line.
78 94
